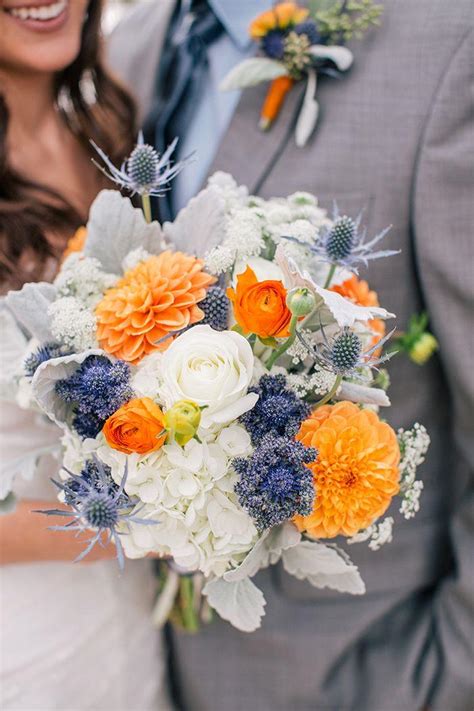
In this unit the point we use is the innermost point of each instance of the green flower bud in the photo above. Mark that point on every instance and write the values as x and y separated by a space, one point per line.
301 301
182 421
423 348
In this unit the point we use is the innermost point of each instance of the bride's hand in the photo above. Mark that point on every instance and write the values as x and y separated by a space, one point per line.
25 537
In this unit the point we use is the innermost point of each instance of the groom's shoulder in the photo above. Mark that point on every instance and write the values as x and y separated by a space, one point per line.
134 47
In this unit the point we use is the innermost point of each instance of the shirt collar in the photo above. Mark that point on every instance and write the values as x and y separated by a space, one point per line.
237 16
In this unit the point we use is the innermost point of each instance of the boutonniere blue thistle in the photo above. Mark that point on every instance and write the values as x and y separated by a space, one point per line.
297 44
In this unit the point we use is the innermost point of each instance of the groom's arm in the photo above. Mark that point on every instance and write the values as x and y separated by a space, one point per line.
443 222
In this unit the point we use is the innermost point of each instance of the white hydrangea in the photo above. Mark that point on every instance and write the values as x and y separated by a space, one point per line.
83 278
189 491
234 195
147 380
134 258
72 324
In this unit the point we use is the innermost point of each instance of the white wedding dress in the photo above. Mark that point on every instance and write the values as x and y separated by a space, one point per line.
74 637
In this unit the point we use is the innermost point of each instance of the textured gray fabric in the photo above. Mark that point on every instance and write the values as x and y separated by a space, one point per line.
395 136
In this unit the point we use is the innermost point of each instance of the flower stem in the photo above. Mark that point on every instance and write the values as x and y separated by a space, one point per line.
146 204
331 393
285 345
329 277
189 616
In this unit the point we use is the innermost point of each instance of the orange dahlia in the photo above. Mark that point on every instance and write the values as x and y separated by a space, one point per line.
157 297
356 473
281 16
358 291
76 242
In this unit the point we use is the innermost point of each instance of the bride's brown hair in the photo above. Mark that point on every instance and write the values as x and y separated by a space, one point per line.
30 213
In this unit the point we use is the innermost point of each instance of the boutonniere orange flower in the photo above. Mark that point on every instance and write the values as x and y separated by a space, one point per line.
298 44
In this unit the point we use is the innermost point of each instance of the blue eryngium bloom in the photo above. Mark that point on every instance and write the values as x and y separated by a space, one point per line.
344 244
343 355
144 172
99 504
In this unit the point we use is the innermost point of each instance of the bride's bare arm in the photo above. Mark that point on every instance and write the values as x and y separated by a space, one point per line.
25 537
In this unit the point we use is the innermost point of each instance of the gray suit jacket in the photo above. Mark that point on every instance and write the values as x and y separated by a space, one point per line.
396 136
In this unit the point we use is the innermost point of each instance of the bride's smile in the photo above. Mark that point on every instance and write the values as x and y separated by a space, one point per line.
42 16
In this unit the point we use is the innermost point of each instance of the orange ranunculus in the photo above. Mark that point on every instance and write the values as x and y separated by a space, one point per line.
137 426
76 242
356 472
260 306
156 298
283 15
358 291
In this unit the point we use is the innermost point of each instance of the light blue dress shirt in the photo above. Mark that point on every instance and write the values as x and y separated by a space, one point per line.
216 108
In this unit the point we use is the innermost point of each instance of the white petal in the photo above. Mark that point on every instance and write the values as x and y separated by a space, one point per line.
231 412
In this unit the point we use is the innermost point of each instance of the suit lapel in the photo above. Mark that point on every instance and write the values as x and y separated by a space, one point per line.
245 151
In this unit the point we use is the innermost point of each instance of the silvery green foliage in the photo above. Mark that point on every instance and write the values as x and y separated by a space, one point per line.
30 307
240 602
115 228
7 505
323 567
45 379
201 224
362 394
251 72
234 596
12 350
267 551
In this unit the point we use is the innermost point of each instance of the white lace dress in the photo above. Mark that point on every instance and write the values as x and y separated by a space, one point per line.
74 637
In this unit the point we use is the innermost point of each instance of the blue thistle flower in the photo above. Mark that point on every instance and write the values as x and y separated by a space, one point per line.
97 389
274 483
278 410
343 355
144 172
310 29
97 503
344 244
41 355
273 44
216 308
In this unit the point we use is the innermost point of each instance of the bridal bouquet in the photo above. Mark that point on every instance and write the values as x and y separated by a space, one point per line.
217 381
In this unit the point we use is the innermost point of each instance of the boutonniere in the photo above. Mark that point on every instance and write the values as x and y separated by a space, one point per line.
297 44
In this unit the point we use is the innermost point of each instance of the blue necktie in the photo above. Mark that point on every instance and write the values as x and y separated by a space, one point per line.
180 76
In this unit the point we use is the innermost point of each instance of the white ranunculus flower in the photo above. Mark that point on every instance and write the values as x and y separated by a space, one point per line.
212 368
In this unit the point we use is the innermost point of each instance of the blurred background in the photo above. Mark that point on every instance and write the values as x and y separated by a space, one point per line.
115 10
